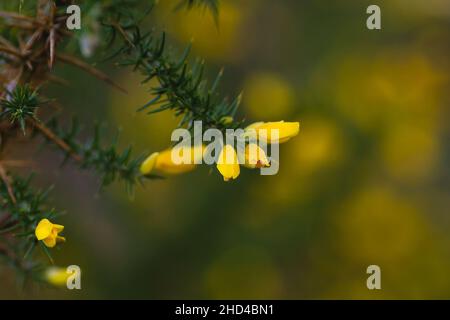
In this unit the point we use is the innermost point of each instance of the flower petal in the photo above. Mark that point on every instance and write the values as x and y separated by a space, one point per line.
254 125
43 229
50 241
149 163
58 227
255 157
165 165
56 276
285 130
228 164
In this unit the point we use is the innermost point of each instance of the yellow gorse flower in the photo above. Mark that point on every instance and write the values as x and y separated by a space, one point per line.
48 233
162 163
228 164
255 157
56 276
228 160
264 130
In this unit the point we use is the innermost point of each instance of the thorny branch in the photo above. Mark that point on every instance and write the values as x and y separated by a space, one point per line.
31 43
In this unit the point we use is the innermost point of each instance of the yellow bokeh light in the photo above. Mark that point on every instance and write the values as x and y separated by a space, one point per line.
213 41
320 144
146 132
267 97
375 224
410 152
387 88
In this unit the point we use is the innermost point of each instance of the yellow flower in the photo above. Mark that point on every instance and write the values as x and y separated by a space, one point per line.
56 276
268 96
162 162
48 233
228 164
255 157
149 163
265 130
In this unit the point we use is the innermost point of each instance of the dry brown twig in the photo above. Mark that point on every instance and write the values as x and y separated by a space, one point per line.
33 58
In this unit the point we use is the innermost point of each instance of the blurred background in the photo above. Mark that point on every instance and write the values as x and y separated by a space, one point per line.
366 181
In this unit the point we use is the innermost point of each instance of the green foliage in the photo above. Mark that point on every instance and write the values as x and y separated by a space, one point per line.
25 207
18 6
125 12
106 161
212 5
20 105
182 87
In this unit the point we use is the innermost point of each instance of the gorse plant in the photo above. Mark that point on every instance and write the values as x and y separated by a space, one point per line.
20 106
33 37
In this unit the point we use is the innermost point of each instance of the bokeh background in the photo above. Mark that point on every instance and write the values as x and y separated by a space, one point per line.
367 180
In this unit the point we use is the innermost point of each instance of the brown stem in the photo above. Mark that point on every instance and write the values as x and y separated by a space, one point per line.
58 141
10 51
88 68
16 16
124 34
17 163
